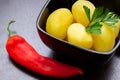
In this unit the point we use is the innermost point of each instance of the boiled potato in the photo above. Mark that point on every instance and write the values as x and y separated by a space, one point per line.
116 29
79 12
77 35
105 41
58 22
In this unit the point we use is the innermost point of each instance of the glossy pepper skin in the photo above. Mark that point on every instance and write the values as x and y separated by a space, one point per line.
24 54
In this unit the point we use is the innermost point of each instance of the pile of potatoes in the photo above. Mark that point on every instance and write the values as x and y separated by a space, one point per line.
70 25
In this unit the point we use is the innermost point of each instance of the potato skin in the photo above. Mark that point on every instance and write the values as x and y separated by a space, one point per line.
116 29
58 22
77 35
79 12
105 41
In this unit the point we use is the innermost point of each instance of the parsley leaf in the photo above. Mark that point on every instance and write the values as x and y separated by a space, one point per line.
111 19
100 15
87 11
95 28
96 15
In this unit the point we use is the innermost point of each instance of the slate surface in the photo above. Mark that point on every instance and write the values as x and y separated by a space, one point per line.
25 12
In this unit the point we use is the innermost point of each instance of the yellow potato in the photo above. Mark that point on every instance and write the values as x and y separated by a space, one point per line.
58 22
77 35
105 41
79 12
116 29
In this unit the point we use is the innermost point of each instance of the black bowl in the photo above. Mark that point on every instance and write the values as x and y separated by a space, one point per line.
83 56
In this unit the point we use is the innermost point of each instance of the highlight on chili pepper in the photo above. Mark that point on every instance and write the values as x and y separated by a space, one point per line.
86 26
24 54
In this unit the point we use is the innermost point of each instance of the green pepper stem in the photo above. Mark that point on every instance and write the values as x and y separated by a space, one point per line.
10 32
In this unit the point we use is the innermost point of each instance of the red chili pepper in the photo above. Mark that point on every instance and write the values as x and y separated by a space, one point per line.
24 54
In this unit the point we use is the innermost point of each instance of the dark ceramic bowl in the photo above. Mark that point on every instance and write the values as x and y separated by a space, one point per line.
84 56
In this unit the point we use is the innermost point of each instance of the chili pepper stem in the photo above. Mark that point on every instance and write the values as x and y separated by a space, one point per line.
10 32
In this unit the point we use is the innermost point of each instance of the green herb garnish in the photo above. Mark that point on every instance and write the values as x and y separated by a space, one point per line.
87 10
95 28
100 15
111 19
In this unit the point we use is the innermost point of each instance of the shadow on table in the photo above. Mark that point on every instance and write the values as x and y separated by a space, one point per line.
90 73
118 52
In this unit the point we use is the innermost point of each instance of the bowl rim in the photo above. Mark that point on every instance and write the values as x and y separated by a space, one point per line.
89 50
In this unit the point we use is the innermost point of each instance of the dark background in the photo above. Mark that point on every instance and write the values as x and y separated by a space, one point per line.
25 13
